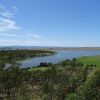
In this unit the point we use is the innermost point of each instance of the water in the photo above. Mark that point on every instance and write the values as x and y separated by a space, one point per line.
60 56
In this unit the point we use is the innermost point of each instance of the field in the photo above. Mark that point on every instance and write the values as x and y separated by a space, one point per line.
38 68
90 60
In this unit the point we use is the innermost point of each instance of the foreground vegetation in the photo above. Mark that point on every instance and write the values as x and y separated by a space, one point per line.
68 80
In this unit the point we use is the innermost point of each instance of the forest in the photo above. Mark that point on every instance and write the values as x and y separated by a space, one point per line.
67 80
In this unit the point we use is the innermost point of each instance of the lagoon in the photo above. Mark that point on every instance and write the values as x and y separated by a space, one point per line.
60 56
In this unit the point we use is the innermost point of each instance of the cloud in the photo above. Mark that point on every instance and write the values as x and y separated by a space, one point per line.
32 35
7 14
7 23
25 39
37 36
4 12
15 9
10 33
5 42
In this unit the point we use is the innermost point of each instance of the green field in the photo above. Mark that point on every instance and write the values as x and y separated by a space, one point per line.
38 68
90 60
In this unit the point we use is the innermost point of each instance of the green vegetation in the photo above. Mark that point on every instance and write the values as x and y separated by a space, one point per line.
38 68
22 54
67 80
42 67
87 60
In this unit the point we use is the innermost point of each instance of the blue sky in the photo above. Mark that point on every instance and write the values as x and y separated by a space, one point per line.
67 23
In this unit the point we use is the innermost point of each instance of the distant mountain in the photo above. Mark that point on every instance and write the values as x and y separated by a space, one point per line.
47 48
22 47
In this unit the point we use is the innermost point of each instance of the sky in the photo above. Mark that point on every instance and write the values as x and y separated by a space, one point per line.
65 23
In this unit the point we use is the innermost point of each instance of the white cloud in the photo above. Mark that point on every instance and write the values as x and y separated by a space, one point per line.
15 9
32 35
4 12
7 25
5 42
10 33
37 36
7 14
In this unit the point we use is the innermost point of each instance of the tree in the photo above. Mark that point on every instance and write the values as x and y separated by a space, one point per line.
90 90
72 96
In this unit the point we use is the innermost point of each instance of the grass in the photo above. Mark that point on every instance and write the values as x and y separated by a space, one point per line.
90 60
38 68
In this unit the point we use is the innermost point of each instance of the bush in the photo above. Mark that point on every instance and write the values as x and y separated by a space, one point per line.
72 96
90 90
